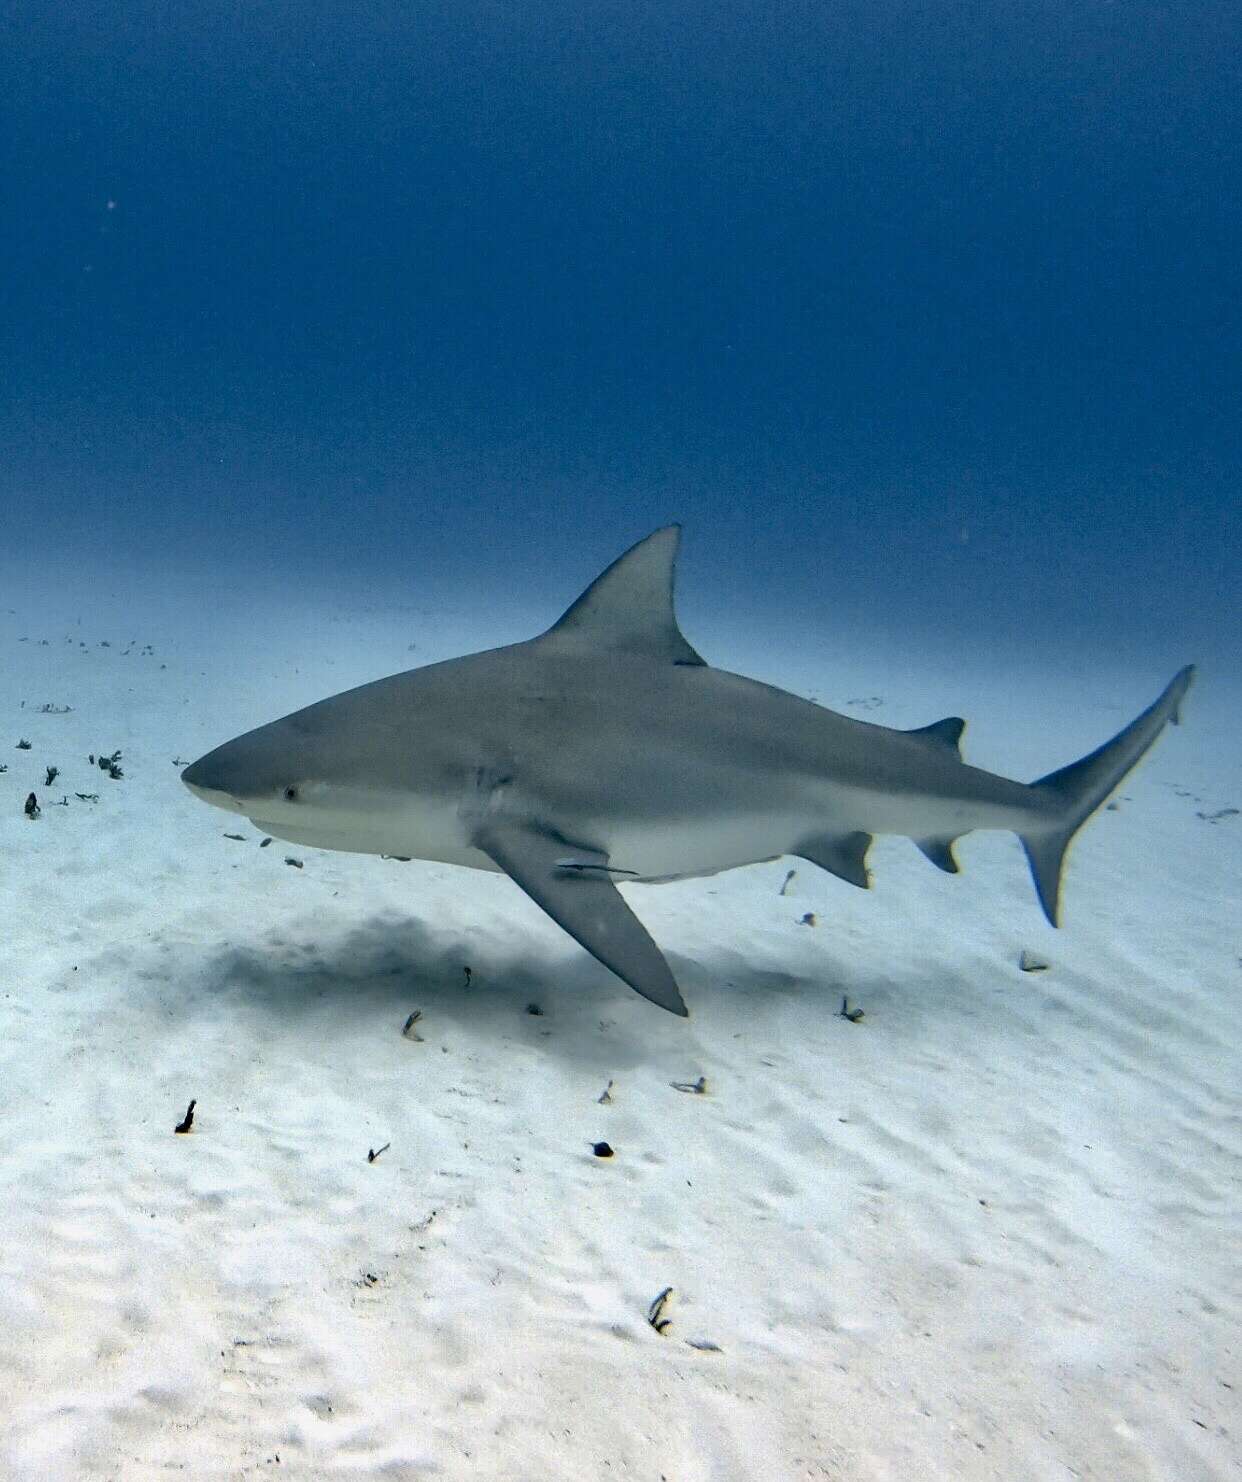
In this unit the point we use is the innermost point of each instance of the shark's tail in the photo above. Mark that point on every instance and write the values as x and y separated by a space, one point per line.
1080 788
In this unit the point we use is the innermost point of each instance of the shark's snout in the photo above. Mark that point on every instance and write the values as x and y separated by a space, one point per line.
207 774
195 775
208 779
253 774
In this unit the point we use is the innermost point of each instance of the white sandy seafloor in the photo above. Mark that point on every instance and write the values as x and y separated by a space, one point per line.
990 1231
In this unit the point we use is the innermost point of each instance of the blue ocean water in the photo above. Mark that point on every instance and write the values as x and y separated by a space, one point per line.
919 318
340 338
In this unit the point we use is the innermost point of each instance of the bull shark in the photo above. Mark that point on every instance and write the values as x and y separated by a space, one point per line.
606 752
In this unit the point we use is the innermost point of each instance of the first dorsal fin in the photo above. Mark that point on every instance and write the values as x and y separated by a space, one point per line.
629 608
944 733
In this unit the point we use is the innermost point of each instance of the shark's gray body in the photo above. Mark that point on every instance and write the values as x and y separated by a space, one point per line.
606 750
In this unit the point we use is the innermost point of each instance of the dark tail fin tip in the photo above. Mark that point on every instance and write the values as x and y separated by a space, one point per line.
1181 681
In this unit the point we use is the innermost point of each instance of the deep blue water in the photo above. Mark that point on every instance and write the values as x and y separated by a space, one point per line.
913 313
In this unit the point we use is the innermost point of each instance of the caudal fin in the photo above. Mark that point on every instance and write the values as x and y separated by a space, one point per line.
1083 786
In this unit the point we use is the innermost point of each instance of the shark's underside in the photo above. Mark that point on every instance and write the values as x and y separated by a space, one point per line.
607 751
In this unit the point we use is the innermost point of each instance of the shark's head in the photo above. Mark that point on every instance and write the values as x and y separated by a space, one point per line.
293 779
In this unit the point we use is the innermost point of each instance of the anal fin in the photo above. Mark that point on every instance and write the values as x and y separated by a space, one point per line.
575 888
842 855
940 852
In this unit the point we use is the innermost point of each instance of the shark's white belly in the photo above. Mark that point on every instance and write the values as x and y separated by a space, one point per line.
403 828
682 848
674 849
694 839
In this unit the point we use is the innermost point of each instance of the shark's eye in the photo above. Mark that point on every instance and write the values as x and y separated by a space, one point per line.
291 794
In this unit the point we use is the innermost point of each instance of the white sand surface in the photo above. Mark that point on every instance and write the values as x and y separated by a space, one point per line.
989 1232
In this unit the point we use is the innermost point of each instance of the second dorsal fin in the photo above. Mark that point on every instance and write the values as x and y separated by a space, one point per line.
629 607
946 733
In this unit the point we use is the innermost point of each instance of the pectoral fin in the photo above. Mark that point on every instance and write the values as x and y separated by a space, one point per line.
574 887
